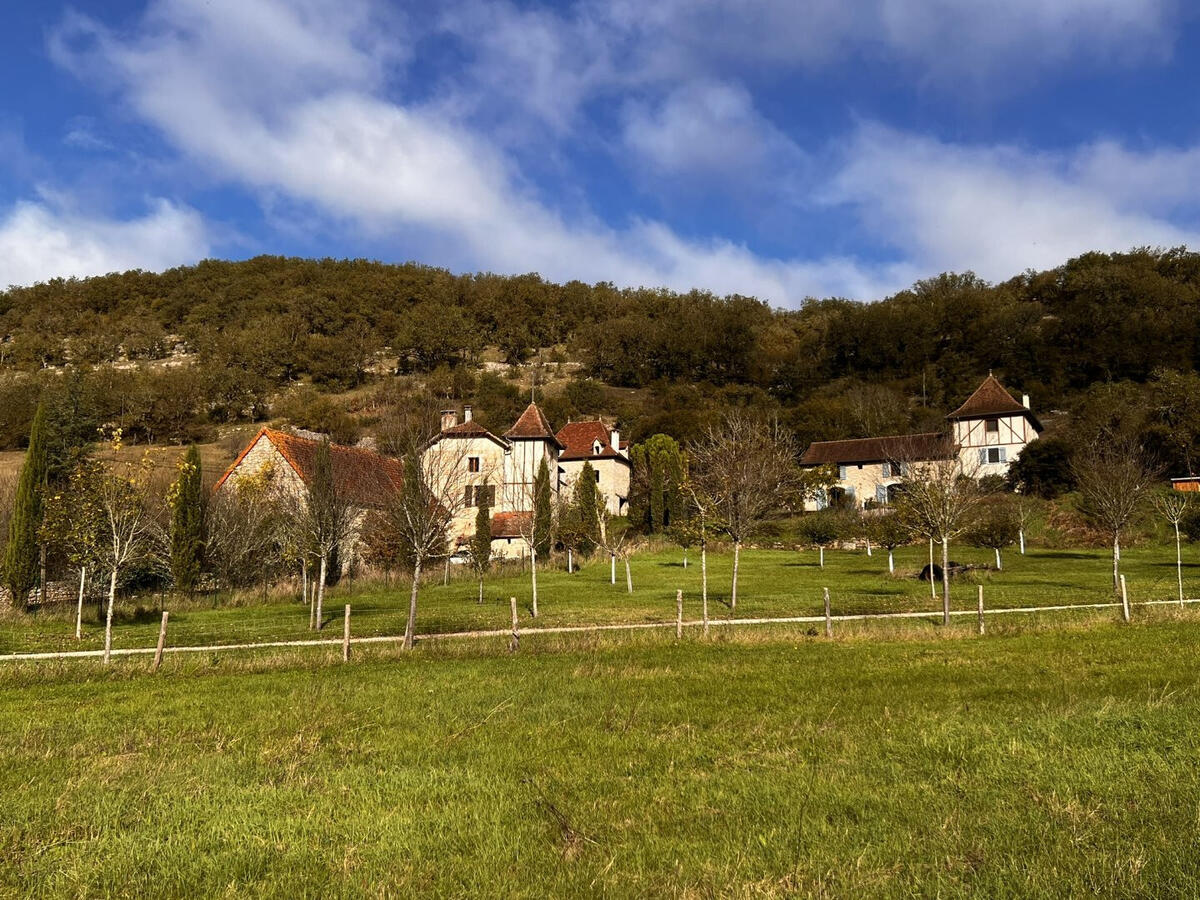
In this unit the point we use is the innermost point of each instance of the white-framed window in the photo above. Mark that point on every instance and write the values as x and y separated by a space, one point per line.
881 493
992 455
887 470
842 472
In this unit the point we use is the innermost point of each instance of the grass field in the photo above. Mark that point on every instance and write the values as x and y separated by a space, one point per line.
1033 762
772 583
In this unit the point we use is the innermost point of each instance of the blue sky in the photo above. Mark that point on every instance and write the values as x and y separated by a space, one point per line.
780 148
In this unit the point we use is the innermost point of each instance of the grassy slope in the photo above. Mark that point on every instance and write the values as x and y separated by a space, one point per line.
773 583
1059 762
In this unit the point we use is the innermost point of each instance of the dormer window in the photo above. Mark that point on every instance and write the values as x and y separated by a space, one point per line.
596 448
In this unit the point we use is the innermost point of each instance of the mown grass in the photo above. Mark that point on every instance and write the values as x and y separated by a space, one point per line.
772 583
1032 762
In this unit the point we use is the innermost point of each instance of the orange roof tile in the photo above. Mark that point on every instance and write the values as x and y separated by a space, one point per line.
532 425
579 439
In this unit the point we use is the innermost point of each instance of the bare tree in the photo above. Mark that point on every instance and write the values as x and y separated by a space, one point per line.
938 500
247 525
1114 479
434 491
997 526
746 467
326 519
129 527
1173 506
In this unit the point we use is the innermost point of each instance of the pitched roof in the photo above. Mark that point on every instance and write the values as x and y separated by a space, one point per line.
362 476
896 447
509 524
532 425
579 439
471 429
991 399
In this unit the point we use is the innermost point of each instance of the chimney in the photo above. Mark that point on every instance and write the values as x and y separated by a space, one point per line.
449 419
1025 400
466 414
616 440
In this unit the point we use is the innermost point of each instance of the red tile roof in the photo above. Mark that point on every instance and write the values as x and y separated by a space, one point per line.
989 399
532 425
578 439
472 429
509 524
894 448
363 476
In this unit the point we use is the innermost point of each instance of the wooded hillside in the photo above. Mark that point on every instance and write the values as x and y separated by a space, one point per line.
172 356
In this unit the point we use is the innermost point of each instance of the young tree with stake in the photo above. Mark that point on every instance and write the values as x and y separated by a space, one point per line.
1114 481
747 468
73 522
1173 506
327 517
938 500
996 526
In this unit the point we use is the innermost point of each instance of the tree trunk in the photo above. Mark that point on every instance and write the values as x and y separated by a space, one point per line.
570 561
112 598
321 590
1178 564
42 575
891 562
612 568
932 583
868 546
79 608
704 583
685 558
304 578
821 556
411 625
533 575
628 577
480 591
945 580
1116 563
1021 539
737 552
446 574
999 563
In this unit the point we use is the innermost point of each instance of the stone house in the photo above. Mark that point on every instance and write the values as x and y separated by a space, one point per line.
594 442
986 434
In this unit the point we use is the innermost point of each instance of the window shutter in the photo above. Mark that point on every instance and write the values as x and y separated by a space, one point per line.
887 470
983 457
841 473
1003 454
880 494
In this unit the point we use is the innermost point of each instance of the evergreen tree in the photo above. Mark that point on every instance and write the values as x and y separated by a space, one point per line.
655 499
543 513
187 522
21 556
481 541
586 502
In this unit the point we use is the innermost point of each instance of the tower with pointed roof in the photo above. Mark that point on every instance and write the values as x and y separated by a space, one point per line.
532 440
992 428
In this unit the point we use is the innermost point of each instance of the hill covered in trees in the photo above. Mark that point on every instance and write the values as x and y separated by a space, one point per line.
1113 339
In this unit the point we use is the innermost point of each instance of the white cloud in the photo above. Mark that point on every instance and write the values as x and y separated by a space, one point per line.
39 242
1000 210
709 129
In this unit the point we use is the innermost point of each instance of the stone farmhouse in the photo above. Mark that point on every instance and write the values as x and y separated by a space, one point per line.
987 433
288 460
506 465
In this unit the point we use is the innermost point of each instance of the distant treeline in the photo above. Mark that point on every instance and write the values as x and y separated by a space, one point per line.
831 368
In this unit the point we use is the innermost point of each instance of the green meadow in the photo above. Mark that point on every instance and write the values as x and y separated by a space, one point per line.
772 583
1051 759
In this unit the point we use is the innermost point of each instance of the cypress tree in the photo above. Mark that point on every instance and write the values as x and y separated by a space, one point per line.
543 514
586 501
21 556
481 541
187 522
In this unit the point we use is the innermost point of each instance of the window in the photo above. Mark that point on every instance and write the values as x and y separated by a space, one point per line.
887 470
881 493
991 426
597 476
842 473
992 455
472 463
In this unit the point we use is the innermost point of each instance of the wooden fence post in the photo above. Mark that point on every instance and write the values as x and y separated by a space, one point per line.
678 614
516 638
162 641
1124 599
981 609
346 636
828 617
